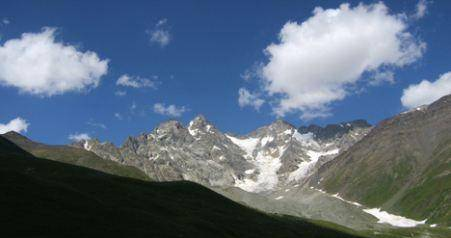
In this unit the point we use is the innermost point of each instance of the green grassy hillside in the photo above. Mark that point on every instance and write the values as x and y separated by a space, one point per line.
44 198
75 156
403 166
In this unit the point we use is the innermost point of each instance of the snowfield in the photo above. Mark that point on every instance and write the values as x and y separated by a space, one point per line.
394 220
305 167
267 179
248 145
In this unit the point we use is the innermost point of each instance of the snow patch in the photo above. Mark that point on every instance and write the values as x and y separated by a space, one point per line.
249 171
306 139
279 197
338 197
267 178
394 220
305 167
287 132
344 200
215 148
86 145
247 145
265 140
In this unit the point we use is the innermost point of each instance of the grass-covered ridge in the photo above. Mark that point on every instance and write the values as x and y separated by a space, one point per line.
402 166
75 156
45 198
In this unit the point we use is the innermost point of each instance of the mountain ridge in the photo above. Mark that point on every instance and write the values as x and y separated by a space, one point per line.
401 165
55 199
258 161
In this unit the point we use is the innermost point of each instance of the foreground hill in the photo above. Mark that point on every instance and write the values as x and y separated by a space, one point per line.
75 156
402 166
44 198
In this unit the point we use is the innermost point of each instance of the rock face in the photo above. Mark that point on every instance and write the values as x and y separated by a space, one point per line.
266 159
402 166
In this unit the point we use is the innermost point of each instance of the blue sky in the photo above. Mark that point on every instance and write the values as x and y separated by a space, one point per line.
196 62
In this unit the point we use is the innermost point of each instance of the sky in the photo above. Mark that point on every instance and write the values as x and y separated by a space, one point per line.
72 70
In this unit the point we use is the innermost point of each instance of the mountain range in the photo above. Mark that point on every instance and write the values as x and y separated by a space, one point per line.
371 179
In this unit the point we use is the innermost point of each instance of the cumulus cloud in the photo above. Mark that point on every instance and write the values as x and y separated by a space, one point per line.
160 34
246 98
37 64
426 91
421 9
316 62
79 137
135 82
18 125
170 110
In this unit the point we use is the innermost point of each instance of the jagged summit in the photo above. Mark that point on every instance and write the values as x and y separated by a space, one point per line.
279 123
199 122
171 124
200 119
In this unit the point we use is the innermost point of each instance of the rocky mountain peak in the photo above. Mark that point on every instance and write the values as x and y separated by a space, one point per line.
170 126
199 122
200 125
277 127
200 119
281 124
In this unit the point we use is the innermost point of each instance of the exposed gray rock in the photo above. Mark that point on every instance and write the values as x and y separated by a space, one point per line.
262 161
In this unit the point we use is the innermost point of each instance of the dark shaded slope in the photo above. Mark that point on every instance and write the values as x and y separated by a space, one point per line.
403 165
44 198
75 156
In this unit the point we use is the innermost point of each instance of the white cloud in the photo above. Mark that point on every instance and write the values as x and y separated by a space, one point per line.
317 61
246 98
426 92
421 9
118 116
381 77
120 93
96 124
79 137
135 82
18 125
5 21
37 64
133 107
160 34
170 110
253 72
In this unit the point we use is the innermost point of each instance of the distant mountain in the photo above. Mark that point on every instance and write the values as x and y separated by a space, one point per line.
331 131
73 155
45 198
403 166
265 160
